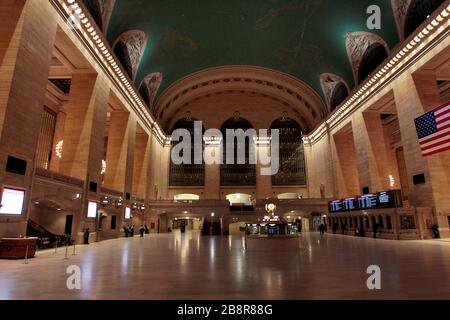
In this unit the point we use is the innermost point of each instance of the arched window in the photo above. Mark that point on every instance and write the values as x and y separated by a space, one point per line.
340 93
418 12
292 154
373 57
123 55
187 174
96 12
237 174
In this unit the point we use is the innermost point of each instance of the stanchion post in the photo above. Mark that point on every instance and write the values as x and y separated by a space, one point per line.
74 250
67 252
26 255
56 246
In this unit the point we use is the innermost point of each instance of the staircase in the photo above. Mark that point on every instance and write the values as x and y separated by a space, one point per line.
46 238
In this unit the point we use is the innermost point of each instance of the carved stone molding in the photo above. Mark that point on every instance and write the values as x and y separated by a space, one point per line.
400 9
152 82
135 42
328 82
357 43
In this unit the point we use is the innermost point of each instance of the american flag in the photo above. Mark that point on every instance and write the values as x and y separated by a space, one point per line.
433 130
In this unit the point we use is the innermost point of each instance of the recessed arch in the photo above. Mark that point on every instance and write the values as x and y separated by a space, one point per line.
418 12
129 49
101 11
334 88
364 51
149 88
285 90
372 58
340 93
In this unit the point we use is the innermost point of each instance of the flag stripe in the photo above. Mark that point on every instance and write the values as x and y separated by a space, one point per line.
436 151
439 109
433 130
443 123
437 148
436 143
437 135
443 112
444 126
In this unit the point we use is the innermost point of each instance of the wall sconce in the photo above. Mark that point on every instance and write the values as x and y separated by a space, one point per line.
119 203
263 140
104 201
59 148
134 206
103 167
142 208
212 140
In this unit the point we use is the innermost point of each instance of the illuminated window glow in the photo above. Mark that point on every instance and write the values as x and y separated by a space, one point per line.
12 202
127 213
92 210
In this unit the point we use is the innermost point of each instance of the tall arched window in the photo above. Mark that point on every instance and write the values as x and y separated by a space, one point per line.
123 55
418 12
95 10
340 93
373 57
187 175
292 154
237 174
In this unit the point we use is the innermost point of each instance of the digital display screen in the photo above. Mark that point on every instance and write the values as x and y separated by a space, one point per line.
127 213
12 202
92 210
380 200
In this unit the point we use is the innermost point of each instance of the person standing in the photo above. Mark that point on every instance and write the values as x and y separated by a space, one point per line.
86 235
141 231
322 229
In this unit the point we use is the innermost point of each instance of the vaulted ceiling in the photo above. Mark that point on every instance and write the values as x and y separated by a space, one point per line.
304 38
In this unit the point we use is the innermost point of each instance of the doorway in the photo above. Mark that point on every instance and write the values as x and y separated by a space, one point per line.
69 224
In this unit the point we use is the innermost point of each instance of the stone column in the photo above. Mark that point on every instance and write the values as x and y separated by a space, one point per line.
212 174
84 136
346 169
120 153
26 46
142 158
375 159
10 15
263 182
84 128
415 95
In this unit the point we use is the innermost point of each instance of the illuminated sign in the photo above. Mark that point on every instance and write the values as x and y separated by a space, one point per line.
12 202
127 213
380 200
92 210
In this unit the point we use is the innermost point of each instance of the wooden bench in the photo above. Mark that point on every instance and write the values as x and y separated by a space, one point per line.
16 248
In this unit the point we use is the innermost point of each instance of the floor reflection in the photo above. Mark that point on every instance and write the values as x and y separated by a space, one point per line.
191 266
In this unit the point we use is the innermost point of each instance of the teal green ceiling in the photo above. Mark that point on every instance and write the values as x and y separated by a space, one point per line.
301 37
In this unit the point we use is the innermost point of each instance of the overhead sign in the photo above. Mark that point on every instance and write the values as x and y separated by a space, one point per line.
380 200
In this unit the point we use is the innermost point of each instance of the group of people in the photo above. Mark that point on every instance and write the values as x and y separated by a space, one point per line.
129 230
359 231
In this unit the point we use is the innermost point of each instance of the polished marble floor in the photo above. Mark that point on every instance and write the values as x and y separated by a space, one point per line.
189 266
